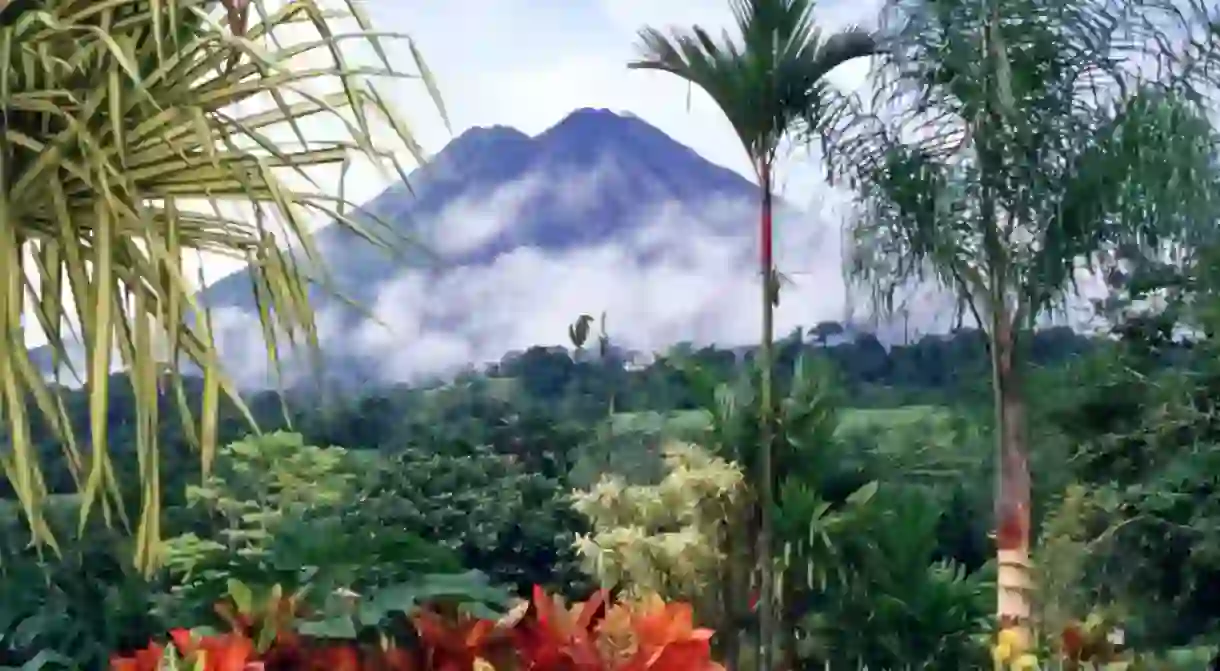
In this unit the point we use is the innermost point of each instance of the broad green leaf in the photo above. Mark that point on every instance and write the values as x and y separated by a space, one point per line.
864 494
335 627
242 595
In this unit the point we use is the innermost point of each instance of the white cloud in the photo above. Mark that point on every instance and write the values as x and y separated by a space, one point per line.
674 275
467 225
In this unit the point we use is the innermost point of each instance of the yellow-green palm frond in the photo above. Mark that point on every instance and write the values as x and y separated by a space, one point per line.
130 131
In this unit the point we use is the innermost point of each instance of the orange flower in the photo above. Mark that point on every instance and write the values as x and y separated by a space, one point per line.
454 644
335 658
147 659
226 653
658 623
230 652
184 641
616 635
396 659
668 639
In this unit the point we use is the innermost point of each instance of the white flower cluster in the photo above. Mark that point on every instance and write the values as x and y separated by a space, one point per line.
665 538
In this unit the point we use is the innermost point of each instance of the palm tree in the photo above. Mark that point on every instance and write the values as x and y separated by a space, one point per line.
767 81
124 138
1014 144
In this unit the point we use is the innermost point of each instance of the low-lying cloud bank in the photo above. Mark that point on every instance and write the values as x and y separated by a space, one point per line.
678 271
675 275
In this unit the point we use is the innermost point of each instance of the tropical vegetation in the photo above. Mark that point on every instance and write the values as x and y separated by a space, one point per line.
1043 148
821 500
767 80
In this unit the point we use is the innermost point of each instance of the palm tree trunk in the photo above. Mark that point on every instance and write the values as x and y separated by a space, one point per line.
766 493
1013 481
736 590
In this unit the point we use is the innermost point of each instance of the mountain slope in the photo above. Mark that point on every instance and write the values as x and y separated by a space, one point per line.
496 198
600 212
592 176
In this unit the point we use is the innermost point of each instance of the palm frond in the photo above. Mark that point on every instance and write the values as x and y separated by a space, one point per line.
912 227
121 118
767 77
1032 110
1146 178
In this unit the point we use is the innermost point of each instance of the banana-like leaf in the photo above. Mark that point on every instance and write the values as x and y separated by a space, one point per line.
127 129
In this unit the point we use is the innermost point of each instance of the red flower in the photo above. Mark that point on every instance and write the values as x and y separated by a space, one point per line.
454 644
147 659
335 658
559 638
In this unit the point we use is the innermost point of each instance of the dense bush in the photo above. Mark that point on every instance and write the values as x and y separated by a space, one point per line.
669 538
485 507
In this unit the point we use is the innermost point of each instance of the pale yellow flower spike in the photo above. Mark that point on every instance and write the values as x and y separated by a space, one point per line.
481 664
1011 638
1001 653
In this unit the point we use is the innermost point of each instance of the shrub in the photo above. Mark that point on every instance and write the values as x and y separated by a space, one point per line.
664 538
543 634
489 509
276 511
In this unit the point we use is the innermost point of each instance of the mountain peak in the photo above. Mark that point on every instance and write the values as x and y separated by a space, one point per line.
598 121
596 113
483 139
485 134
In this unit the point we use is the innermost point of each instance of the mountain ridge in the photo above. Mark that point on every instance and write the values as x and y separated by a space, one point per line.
494 196
483 159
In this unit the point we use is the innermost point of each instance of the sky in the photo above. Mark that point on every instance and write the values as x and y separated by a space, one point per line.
528 63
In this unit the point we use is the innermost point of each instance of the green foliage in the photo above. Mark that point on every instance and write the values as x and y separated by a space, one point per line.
487 508
869 518
1145 449
74 610
347 616
894 603
260 488
483 480
868 577
280 512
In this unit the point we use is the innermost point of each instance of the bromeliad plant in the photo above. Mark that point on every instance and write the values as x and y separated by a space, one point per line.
544 634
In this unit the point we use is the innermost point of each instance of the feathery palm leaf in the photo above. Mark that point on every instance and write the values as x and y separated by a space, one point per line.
1081 149
770 78
128 126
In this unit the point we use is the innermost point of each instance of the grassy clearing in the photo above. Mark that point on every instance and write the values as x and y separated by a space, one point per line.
688 423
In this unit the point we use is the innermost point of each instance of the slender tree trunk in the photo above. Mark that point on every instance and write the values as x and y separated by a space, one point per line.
735 591
766 493
789 612
1012 482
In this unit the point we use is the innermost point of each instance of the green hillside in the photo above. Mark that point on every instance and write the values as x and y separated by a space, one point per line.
688 423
